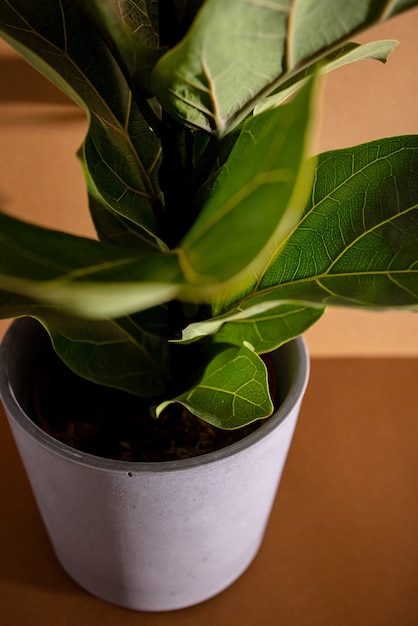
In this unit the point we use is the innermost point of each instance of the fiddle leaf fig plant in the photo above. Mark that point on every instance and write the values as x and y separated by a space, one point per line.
219 236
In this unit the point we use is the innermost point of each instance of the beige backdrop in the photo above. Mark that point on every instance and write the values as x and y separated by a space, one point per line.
40 131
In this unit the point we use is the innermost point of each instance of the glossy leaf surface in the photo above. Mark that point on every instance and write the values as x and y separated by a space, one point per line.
231 391
265 326
357 244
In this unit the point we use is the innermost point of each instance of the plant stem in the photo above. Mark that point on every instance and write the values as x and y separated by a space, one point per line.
201 171
174 169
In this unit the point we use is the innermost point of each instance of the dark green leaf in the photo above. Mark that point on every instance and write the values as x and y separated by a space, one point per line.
128 353
357 244
121 152
232 390
130 29
125 184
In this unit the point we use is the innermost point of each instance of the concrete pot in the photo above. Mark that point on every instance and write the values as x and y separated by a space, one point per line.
151 536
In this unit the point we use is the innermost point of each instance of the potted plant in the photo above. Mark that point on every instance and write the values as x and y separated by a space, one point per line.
220 240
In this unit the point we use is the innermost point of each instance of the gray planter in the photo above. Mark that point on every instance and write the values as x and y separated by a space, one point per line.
151 536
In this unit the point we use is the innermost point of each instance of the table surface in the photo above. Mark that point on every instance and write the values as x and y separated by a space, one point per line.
341 547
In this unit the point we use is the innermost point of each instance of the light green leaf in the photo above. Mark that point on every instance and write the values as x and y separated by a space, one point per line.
265 326
256 200
232 390
237 38
85 277
349 53
318 25
269 330
262 45
357 245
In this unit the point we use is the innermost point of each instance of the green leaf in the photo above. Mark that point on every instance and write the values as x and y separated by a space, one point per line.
112 227
262 45
193 80
128 353
123 182
232 390
271 329
257 197
89 278
318 25
122 353
130 29
349 53
121 152
357 244
57 39
265 326
85 277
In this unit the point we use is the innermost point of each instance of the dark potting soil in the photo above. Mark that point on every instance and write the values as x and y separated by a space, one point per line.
113 424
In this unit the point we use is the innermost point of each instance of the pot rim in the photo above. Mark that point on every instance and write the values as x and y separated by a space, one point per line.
16 412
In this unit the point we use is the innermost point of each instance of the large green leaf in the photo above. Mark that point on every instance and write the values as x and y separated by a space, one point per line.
129 353
260 44
256 200
357 244
112 227
85 277
193 80
59 42
231 391
121 152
